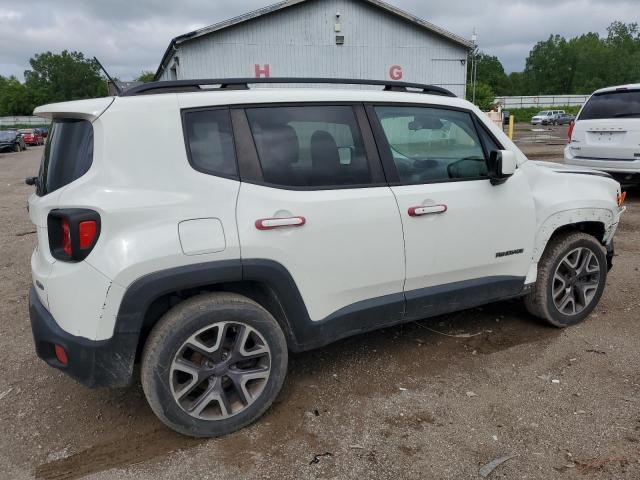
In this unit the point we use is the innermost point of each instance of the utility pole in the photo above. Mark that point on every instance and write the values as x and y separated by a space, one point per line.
474 64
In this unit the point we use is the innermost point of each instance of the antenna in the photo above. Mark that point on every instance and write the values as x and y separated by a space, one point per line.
108 76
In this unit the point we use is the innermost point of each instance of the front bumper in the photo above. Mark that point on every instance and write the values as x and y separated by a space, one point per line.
104 363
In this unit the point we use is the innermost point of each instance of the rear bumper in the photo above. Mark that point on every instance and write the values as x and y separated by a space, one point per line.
605 164
105 363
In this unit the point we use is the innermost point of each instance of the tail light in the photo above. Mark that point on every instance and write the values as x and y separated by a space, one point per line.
73 233
571 125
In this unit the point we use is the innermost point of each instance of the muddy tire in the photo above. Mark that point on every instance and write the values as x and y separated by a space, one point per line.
213 364
572 274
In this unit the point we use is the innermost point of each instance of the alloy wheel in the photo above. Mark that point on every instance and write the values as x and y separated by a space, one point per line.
220 370
576 281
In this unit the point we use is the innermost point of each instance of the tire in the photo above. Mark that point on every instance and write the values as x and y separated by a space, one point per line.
584 284
193 404
16 148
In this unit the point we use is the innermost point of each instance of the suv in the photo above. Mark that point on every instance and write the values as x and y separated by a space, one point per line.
606 134
546 117
11 140
563 119
254 222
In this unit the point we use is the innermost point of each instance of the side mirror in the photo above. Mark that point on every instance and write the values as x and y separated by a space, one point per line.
502 164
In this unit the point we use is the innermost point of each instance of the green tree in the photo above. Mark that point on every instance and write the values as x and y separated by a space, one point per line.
14 97
581 64
516 84
549 67
485 97
146 76
490 71
62 77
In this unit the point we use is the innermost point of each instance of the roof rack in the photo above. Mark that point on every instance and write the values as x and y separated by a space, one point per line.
173 86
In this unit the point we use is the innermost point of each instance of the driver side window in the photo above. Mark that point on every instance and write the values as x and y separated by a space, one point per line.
432 144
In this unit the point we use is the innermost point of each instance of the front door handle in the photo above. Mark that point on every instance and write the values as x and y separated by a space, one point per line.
275 222
426 210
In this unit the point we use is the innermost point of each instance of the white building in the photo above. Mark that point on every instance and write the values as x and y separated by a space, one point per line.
366 39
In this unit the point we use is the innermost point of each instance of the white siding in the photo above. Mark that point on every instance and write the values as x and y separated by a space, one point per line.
300 41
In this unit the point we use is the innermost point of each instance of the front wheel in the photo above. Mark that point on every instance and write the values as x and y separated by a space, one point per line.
571 278
213 364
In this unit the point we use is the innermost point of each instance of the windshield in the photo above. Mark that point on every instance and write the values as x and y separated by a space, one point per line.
618 104
543 114
7 135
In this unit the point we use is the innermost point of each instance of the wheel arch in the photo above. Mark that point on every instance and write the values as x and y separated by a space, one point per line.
267 283
594 221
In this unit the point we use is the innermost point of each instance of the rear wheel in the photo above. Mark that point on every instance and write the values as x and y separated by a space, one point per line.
213 364
571 278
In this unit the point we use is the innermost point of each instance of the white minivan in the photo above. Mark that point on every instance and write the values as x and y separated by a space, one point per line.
606 134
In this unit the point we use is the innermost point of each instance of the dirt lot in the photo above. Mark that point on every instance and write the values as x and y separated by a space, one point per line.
432 400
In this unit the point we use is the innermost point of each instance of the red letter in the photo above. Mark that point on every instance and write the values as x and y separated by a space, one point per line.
395 72
262 72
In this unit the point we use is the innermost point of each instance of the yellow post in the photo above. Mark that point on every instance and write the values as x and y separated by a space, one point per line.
511 122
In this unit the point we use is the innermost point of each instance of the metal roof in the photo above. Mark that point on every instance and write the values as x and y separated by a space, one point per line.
289 3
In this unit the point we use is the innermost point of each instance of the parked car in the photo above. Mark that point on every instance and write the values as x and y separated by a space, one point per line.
545 117
213 233
606 134
11 140
31 136
44 132
563 119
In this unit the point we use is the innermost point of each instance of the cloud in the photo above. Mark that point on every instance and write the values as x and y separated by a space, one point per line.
131 36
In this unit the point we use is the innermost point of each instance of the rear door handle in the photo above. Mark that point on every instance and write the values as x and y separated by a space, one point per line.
426 210
271 223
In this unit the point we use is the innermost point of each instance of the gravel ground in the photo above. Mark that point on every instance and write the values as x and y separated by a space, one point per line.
434 399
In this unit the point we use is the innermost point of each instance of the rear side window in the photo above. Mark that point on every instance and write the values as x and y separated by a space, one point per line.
310 146
209 141
619 104
67 156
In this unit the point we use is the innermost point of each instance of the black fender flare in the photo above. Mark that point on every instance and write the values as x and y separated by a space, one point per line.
302 333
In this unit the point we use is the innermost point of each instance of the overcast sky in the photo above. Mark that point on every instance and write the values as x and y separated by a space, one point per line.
130 36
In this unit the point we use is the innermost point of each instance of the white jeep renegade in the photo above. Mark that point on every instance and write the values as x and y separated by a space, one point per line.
206 232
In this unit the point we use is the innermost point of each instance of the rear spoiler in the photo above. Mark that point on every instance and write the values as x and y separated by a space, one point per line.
89 109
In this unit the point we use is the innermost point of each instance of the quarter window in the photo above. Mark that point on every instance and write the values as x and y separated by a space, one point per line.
309 146
68 154
432 145
210 142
